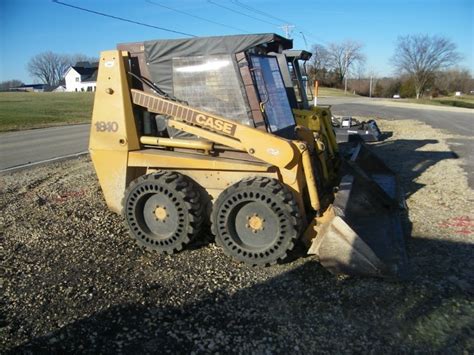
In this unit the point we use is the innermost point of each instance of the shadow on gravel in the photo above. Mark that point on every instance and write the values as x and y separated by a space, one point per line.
405 158
305 310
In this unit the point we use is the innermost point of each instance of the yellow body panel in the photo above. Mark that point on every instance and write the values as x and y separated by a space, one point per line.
113 130
114 175
113 125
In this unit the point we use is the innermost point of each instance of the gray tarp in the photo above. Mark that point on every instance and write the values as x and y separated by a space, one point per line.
160 53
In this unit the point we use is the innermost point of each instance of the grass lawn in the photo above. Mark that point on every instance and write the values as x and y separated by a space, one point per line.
333 92
25 110
466 101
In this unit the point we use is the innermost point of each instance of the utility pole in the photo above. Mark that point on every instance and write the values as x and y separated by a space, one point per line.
370 87
346 72
287 29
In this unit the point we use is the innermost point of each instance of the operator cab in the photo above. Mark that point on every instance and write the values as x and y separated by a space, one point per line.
237 77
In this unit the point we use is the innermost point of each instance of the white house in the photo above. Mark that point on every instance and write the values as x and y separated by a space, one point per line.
81 77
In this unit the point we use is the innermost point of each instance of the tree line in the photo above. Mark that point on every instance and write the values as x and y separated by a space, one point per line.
424 65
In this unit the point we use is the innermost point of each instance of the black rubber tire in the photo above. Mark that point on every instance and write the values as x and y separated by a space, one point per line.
182 198
274 201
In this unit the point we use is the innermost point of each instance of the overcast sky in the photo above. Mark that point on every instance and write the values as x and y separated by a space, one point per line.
28 27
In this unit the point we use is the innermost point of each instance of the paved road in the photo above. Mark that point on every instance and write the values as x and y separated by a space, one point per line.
30 147
457 121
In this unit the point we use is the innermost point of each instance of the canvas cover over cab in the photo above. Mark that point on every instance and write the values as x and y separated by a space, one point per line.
233 76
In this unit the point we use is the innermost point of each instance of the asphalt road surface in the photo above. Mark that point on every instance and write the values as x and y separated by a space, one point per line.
35 146
457 121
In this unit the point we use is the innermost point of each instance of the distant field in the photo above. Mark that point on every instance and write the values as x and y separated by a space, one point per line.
466 102
25 110
333 92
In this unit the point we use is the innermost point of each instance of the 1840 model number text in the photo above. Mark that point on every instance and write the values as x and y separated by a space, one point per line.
109 126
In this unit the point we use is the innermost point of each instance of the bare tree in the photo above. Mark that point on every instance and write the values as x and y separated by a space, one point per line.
48 67
421 56
318 65
320 57
342 56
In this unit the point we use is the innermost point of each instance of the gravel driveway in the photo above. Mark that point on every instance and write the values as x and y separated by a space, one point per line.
74 281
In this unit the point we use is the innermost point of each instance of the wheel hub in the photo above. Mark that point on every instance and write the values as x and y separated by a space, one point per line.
160 213
255 223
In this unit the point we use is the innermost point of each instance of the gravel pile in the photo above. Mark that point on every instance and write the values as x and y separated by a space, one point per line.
74 281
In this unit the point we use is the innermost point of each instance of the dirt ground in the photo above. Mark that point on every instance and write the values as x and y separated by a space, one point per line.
74 281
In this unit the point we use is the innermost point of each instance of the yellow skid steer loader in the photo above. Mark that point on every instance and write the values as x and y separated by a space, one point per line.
184 126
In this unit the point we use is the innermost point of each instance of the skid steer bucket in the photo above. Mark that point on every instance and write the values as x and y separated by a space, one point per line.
362 232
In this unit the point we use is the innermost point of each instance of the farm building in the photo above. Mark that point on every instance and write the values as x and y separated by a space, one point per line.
81 77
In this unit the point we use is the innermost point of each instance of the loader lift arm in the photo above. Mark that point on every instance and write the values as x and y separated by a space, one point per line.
277 151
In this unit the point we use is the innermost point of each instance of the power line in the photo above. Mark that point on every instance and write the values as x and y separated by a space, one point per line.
195 16
251 8
286 27
122 19
255 10
242 13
